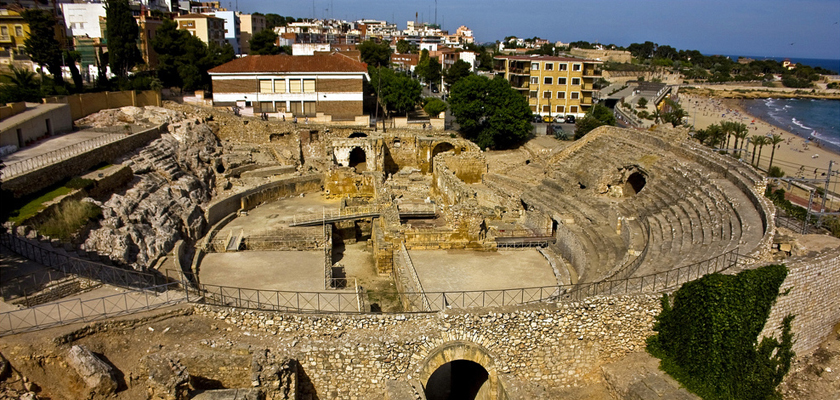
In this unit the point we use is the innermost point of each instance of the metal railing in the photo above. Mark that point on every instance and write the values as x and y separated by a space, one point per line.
418 296
20 288
52 157
334 301
75 266
335 215
86 310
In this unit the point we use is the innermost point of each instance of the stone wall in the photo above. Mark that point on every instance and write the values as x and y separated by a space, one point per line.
261 194
550 345
468 167
41 178
344 182
814 299
445 182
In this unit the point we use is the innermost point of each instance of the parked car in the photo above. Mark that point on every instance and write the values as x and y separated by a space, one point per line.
536 118
559 118
435 88
570 119
547 119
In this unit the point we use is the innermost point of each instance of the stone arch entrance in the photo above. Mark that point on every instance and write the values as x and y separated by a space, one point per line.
358 135
460 370
358 159
635 183
441 147
459 379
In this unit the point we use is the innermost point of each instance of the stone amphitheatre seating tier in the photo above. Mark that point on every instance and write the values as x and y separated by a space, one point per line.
692 216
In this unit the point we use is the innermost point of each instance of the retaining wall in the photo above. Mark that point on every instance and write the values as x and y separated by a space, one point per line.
38 179
256 196
84 104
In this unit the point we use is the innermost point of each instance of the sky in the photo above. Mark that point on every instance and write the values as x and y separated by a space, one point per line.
764 28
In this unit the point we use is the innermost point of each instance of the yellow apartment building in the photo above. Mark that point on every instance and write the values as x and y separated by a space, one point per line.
553 85
205 27
13 31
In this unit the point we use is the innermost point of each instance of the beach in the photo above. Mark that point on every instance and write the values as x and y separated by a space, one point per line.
795 155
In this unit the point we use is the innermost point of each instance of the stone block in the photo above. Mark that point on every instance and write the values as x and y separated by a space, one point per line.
99 377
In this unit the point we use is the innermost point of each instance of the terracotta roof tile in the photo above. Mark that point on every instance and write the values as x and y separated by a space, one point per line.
332 62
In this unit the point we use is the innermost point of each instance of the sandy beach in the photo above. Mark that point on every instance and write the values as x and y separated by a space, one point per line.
795 155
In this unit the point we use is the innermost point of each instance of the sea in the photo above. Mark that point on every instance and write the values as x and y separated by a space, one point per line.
829 64
813 119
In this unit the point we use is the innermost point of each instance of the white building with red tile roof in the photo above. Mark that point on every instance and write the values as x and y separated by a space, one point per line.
323 85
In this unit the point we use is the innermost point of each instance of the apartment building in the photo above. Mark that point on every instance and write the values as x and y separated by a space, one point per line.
553 85
205 27
231 27
299 86
13 31
249 24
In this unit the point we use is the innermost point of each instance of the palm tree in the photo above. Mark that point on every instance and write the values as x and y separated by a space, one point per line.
761 144
21 77
755 140
740 132
726 127
774 140
716 135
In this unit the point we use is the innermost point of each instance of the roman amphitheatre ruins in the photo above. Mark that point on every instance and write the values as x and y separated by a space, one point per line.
268 259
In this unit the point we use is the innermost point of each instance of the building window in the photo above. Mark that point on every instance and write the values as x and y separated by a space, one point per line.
308 86
535 80
19 30
4 31
576 81
546 109
549 66
561 95
561 81
533 109
280 86
280 106
561 109
548 80
309 108
573 109
535 66
546 95
575 67
294 86
533 94
562 67
265 86
575 95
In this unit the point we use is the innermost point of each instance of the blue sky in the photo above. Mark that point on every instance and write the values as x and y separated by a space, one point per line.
767 28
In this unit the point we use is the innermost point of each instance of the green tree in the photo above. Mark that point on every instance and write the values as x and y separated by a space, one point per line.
122 35
183 59
398 92
675 113
19 85
755 140
740 133
490 112
641 103
598 115
41 45
375 54
773 140
70 58
435 106
264 43
403 47
457 71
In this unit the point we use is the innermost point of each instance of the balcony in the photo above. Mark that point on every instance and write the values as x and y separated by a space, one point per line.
5 39
591 73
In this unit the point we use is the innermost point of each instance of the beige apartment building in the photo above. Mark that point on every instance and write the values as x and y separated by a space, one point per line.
249 24
205 27
553 85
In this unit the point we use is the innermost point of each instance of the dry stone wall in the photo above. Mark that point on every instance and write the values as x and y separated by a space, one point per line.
550 345
814 299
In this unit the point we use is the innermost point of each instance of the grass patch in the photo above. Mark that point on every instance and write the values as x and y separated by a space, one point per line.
32 207
71 216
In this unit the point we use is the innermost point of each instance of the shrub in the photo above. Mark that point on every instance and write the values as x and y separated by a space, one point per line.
70 217
79 183
775 172
707 339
